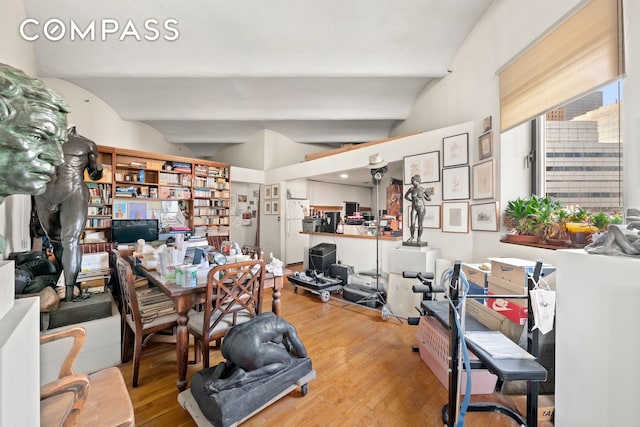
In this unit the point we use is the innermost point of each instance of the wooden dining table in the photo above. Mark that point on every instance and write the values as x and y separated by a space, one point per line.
185 297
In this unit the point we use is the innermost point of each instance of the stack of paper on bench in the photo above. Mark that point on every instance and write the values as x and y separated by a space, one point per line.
497 345
154 304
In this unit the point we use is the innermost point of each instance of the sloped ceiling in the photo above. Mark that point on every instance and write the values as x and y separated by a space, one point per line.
328 72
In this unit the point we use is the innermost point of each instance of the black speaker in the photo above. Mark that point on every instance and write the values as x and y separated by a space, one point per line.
321 257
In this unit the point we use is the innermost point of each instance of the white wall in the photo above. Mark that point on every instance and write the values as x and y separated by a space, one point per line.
471 92
279 150
244 234
14 51
266 149
327 194
632 105
248 155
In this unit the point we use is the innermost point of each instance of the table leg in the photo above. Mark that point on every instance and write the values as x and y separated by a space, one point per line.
278 283
183 305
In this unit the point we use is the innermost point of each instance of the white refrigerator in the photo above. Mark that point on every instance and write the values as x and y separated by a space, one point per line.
295 211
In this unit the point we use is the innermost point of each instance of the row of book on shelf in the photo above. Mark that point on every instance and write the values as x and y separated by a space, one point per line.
175 193
211 230
99 193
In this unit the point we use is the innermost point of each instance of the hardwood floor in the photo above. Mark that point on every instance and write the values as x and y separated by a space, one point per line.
367 374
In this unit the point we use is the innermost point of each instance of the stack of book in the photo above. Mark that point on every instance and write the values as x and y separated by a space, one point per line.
153 304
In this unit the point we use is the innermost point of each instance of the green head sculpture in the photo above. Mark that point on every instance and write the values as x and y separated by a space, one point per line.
33 127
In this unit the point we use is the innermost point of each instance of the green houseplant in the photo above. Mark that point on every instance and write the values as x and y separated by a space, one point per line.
522 217
583 224
557 233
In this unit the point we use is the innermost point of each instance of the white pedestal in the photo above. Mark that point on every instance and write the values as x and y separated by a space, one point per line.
101 348
400 298
597 346
19 355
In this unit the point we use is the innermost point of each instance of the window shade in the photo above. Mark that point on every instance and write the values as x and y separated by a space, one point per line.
583 53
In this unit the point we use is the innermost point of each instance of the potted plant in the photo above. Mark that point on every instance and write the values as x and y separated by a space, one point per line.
580 227
602 221
521 217
558 234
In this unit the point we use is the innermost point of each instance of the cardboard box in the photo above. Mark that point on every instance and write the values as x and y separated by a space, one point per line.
508 309
494 320
502 287
92 283
546 406
154 164
433 343
516 270
475 274
477 280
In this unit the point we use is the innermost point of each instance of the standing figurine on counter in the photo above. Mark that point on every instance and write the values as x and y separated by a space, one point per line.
62 208
417 196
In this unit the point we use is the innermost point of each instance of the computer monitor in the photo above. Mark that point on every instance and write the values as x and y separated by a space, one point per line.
130 230
350 208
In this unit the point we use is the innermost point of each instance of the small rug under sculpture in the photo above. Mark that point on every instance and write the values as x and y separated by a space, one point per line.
226 407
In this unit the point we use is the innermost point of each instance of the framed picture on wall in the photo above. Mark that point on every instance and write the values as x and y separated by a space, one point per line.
275 207
483 180
431 217
484 216
120 211
426 165
455 217
455 183
137 211
275 191
267 192
486 124
267 207
485 145
455 150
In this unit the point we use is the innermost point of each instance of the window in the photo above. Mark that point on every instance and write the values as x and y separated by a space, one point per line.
579 152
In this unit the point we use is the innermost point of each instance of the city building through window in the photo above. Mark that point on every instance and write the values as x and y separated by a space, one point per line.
580 149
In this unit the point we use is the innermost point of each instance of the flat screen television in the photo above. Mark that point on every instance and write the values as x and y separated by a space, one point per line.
130 230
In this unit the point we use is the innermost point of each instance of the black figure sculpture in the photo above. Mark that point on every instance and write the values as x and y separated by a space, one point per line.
255 350
62 208
417 196
33 127
264 359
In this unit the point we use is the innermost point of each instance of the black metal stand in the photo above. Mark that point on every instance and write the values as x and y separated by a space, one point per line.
377 177
451 409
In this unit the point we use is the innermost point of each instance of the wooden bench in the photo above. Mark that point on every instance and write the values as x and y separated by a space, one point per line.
100 398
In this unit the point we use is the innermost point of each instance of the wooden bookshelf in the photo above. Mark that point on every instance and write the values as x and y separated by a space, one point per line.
178 191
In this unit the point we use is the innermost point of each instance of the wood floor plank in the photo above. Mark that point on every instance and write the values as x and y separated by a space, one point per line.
367 374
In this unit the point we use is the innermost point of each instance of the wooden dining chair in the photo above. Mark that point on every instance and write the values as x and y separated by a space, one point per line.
146 312
116 289
78 399
233 296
